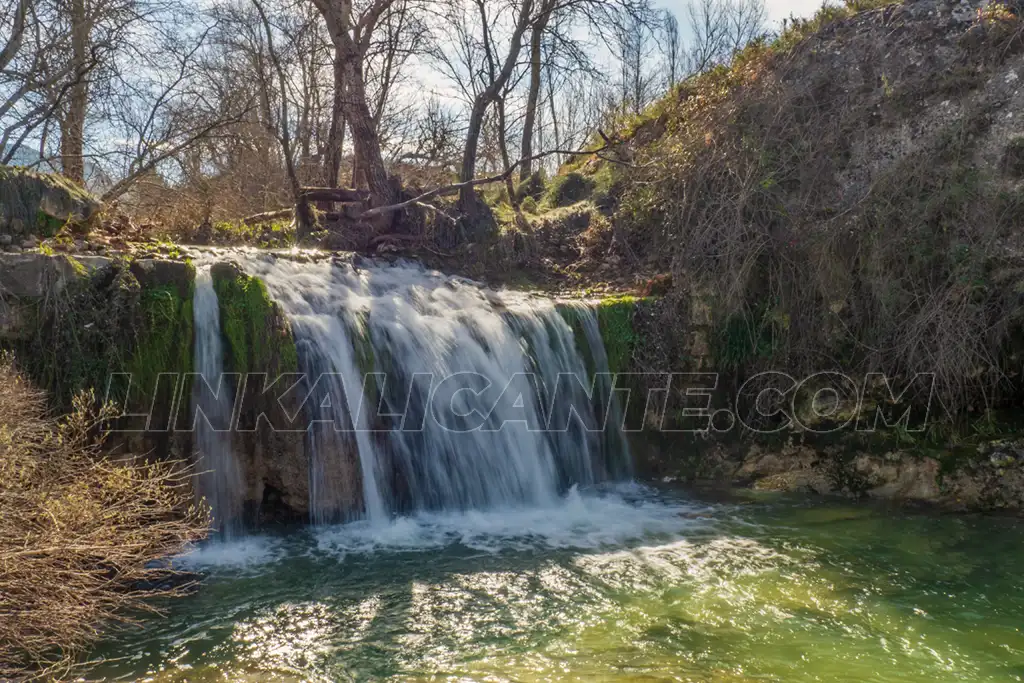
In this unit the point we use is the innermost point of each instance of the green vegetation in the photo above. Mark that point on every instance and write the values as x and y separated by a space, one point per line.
615 320
258 339
567 189
741 339
273 234
532 186
165 338
739 186
91 328
82 332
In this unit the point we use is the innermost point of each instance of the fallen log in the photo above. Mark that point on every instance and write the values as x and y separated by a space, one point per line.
334 194
268 216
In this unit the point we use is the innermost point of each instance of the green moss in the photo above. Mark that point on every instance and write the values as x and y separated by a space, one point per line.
532 186
569 188
47 226
257 341
615 320
164 342
742 338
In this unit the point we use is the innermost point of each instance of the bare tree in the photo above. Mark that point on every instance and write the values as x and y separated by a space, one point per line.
352 31
672 48
721 27
634 50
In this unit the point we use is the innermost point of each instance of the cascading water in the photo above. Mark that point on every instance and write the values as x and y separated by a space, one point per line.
219 480
487 397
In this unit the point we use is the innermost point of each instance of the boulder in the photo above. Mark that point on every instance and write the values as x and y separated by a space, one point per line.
94 263
153 272
32 275
44 200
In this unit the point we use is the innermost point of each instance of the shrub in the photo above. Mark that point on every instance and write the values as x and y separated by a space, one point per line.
529 205
532 186
82 536
568 189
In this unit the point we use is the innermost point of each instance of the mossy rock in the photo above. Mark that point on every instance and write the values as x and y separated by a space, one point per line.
615 320
43 203
153 273
257 334
532 186
568 189
164 341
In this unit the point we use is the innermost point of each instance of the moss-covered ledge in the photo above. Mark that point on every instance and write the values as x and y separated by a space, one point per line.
258 335
74 324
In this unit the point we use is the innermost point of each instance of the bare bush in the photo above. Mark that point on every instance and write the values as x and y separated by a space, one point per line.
82 536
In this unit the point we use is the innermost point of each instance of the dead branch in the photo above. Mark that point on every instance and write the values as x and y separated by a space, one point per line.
458 187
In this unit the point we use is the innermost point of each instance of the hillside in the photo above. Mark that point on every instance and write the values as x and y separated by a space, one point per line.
849 196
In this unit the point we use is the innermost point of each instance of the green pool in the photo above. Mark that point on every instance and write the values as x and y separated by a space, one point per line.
627 584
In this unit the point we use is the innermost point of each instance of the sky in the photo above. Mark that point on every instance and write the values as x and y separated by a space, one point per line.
777 9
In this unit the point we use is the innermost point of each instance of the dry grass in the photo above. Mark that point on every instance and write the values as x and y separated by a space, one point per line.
81 535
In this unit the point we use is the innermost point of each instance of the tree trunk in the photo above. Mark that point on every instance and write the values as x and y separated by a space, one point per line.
364 133
468 168
336 135
505 160
526 168
72 124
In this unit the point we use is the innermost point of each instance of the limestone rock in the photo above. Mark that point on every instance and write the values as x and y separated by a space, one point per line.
32 275
42 199
161 272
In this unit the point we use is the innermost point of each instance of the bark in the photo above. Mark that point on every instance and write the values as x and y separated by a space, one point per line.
72 124
485 99
533 97
336 136
505 161
364 136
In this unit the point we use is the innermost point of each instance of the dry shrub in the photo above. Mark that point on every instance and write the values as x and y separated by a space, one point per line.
813 260
82 536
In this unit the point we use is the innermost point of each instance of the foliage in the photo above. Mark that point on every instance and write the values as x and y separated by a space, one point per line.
89 329
82 331
569 188
532 186
82 537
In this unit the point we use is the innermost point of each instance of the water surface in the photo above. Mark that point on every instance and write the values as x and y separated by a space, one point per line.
624 584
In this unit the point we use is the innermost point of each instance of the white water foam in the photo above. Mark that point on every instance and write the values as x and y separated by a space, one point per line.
580 521
240 554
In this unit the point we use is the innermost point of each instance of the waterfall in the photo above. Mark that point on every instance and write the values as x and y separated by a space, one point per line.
219 480
494 366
